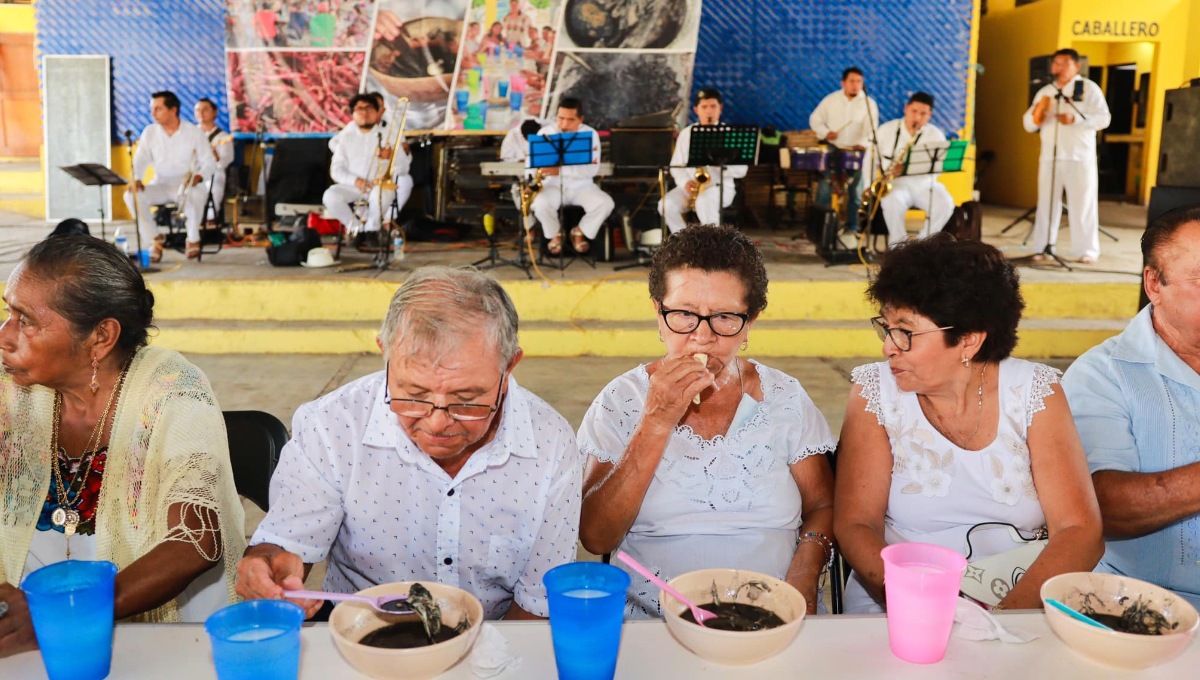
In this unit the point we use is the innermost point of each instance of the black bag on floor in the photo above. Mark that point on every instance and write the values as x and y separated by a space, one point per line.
295 250
966 222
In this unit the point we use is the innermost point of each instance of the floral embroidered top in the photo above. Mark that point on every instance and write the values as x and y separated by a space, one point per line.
69 469
940 490
729 501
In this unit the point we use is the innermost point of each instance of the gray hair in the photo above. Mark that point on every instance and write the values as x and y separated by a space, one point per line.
439 306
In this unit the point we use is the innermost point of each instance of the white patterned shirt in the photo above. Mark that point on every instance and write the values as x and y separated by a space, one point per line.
351 486
729 501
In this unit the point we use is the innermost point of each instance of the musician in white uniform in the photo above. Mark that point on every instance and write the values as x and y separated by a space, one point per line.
917 192
354 150
222 148
720 190
515 149
172 146
575 183
841 119
1081 110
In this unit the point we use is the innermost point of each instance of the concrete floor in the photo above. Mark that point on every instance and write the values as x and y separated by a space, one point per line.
787 259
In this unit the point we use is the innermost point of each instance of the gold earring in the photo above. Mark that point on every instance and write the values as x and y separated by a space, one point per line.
94 385
660 337
745 345
966 362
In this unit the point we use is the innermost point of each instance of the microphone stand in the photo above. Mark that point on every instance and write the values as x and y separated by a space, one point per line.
1055 194
864 231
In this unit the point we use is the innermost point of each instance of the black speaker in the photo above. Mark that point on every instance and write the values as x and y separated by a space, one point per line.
822 231
300 170
1179 160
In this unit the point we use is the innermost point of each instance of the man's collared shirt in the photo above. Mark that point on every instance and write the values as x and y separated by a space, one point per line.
172 155
351 486
1077 141
354 152
847 117
1137 408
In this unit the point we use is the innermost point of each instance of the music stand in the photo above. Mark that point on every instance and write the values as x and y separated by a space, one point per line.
934 159
95 175
561 150
723 145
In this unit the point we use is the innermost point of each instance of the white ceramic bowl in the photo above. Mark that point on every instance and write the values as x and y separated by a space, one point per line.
1111 594
350 621
731 647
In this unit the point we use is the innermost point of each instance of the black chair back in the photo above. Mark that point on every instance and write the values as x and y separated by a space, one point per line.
255 440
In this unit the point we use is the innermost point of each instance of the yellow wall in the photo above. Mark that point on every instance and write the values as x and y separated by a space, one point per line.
1010 36
17 19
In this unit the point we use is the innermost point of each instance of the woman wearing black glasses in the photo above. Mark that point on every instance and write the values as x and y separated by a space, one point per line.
952 441
703 459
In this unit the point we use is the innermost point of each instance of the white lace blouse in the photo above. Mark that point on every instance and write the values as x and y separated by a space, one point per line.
940 490
729 501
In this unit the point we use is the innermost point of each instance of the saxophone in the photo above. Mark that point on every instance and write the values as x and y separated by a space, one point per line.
699 184
880 187
529 192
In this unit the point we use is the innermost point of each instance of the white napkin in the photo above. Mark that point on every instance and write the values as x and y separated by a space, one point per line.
489 657
972 622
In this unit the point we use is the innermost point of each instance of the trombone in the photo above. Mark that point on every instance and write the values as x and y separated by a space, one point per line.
383 161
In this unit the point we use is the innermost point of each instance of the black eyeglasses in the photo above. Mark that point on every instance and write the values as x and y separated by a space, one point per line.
725 324
901 338
417 408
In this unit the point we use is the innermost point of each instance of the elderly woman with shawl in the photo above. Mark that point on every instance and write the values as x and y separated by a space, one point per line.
109 449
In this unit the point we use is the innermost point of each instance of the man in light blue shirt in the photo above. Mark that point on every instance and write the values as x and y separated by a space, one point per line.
1136 402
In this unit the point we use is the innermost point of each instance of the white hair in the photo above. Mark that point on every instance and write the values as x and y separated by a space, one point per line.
437 307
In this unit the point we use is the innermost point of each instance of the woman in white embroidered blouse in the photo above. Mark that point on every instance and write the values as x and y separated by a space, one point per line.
702 459
951 432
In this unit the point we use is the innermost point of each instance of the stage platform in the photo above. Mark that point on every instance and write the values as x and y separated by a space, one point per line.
234 302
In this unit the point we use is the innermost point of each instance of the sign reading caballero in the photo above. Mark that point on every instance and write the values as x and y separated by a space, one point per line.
1120 29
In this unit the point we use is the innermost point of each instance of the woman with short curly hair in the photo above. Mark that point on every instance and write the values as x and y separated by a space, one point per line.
951 441
703 459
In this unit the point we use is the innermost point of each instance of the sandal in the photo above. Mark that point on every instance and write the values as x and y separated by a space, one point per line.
156 249
1087 259
555 244
193 250
579 241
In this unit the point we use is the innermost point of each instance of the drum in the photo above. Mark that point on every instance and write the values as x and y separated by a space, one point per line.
848 160
812 158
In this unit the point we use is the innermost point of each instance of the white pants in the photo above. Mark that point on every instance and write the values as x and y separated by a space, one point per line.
337 200
1082 184
915 196
596 204
706 206
161 191
218 194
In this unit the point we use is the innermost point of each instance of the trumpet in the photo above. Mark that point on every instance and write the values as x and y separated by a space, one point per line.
185 189
699 184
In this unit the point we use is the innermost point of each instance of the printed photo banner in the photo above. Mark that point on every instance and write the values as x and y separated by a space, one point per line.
293 65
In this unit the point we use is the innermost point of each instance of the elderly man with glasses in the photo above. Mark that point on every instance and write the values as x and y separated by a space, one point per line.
439 468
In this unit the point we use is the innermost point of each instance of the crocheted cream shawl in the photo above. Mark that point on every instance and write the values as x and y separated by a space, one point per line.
168 446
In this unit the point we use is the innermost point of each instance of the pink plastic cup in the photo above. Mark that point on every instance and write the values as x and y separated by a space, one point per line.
921 582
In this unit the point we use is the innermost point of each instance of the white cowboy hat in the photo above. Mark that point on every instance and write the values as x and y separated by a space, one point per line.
319 257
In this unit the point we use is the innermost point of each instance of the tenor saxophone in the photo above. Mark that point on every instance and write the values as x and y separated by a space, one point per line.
699 183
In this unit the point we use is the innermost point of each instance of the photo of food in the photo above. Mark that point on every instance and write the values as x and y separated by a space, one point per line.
631 24
292 92
621 84
292 24
502 77
414 52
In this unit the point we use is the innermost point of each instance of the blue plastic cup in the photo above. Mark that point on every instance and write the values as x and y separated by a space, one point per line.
514 98
256 640
502 87
144 258
461 99
71 604
587 607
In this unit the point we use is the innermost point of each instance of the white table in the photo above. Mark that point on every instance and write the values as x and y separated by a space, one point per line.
828 648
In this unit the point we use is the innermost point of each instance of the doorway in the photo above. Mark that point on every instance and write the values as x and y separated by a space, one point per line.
1120 93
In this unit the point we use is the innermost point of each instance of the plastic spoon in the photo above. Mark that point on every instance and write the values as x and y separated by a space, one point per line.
388 604
699 614
1075 615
